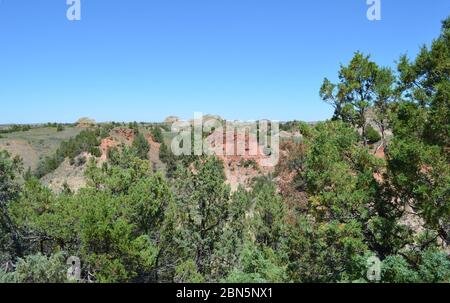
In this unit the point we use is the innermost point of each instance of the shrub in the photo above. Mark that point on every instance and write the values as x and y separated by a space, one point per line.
157 134
141 146
372 135
37 269
187 272
95 151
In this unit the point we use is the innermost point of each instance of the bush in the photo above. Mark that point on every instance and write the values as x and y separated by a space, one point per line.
37 269
372 135
187 272
95 151
157 134
141 146
305 129
433 267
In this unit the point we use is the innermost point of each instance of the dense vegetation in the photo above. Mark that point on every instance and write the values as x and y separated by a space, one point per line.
344 205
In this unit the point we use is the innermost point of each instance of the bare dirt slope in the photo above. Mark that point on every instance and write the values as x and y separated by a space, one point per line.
24 150
241 168
72 175
35 144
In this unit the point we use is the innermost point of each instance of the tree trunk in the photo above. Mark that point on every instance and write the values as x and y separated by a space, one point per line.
11 228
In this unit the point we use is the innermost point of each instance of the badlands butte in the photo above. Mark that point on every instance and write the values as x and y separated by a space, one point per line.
39 144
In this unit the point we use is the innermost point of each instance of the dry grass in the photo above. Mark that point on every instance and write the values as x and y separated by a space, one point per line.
35 144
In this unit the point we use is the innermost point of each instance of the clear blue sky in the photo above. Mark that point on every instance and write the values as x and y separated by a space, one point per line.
146 59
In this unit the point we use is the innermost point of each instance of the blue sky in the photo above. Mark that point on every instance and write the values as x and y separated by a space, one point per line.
146 59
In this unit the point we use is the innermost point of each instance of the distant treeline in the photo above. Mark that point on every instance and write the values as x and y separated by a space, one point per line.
26 127
15 128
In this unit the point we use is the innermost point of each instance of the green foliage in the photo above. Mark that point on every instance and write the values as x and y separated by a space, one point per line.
372 135
269 215
86 141
354 95
395 269
258 266
157 134
134 126
363 86
385 95
10 242
425 83
432 267
201 212
95 151
113 226
108 244
172 162
186 272
9 171
37 269
146 201
141 146
418 156
290 126
305 129
325 252
168 158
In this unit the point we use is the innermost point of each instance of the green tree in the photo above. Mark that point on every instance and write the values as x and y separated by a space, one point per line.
425 84
157 134
385 95
354 94
112 251
201 211
258 265
418 156
372 135
11 244
141 146
350 214
326 252
187 272
430 267
269 214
